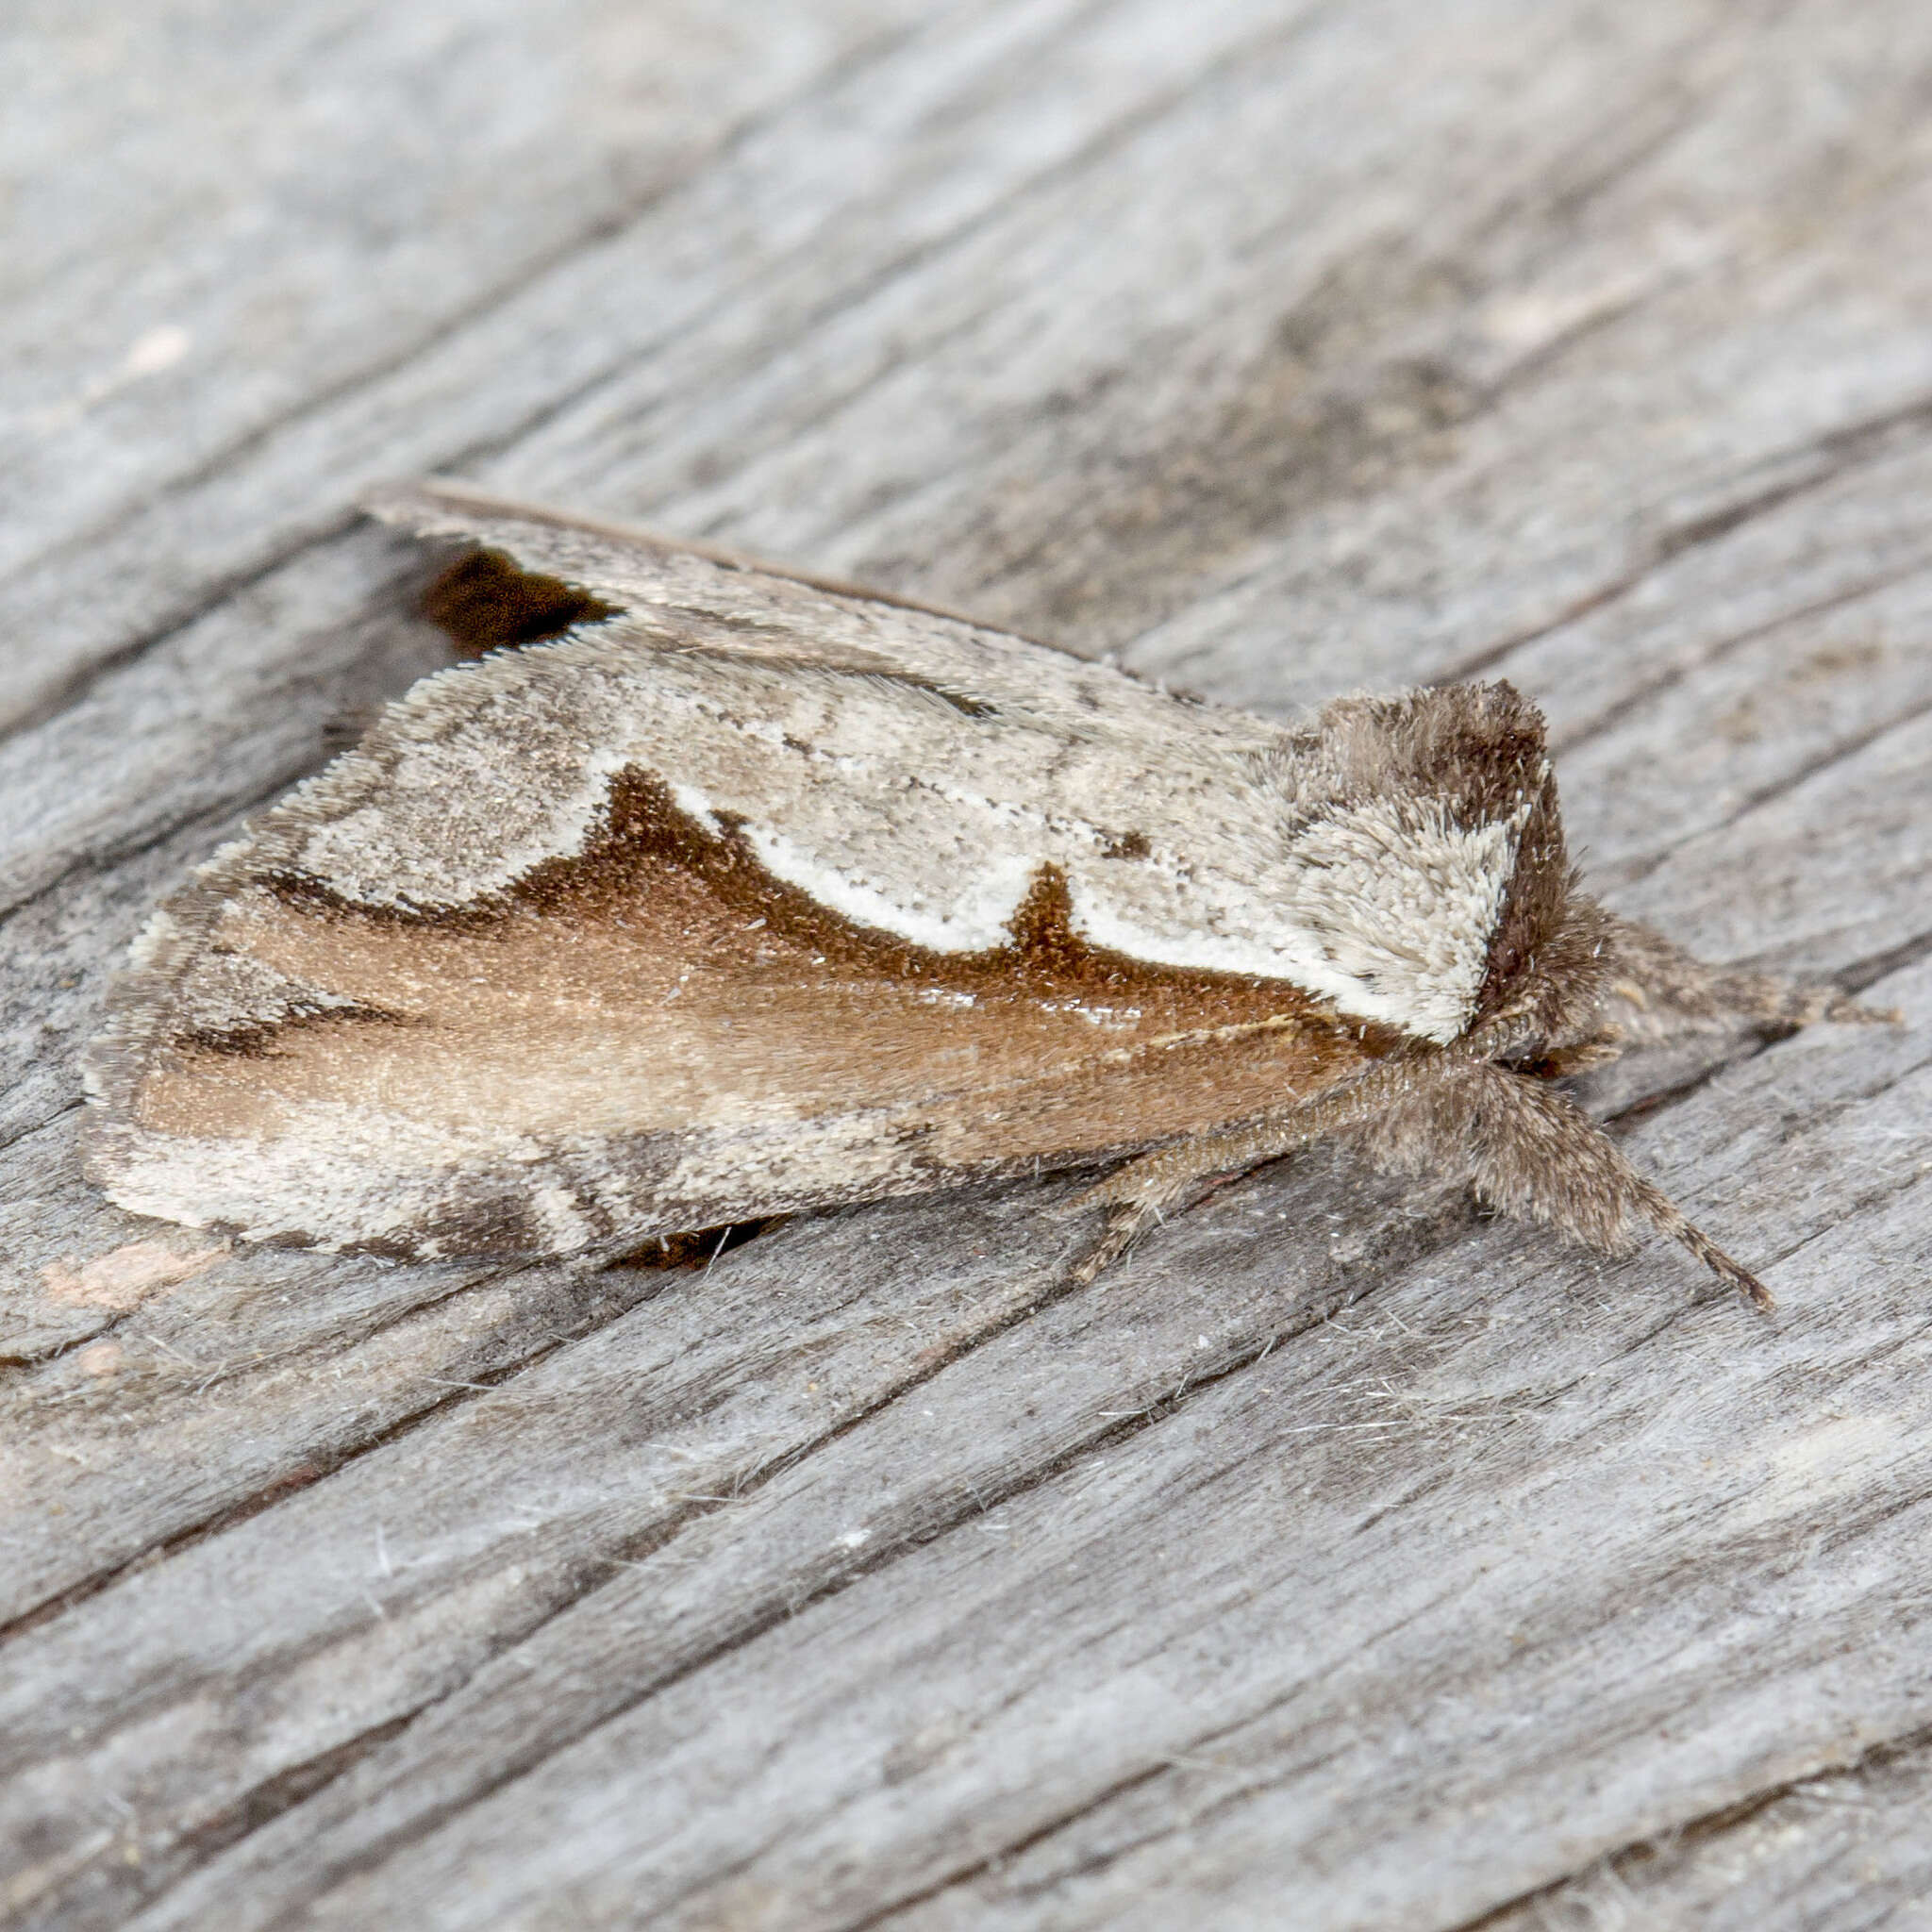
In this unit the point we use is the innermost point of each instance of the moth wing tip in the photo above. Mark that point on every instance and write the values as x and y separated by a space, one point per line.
386 497
410 500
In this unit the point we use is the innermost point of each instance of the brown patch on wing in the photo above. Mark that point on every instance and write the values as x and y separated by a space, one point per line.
662 981
485 603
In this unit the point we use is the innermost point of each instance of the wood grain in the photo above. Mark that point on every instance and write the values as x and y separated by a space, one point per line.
1343 1559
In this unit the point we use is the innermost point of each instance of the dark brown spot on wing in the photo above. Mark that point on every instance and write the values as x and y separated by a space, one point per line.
695 1247
486 604
661 983
672 887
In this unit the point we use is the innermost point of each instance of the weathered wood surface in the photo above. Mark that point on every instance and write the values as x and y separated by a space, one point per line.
1341 1562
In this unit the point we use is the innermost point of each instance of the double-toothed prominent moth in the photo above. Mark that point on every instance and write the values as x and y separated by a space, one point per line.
744 892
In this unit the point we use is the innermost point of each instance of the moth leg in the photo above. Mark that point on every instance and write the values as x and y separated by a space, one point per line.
1143 1192
1672 992
1528 1151
1534 1155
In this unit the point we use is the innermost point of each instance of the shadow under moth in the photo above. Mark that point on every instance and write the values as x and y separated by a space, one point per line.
741 892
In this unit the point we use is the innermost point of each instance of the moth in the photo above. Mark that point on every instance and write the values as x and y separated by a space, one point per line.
719 890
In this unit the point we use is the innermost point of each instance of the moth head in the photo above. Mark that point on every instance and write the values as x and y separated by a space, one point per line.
1431 862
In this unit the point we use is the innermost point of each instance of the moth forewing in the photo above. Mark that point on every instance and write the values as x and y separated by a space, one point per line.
753 892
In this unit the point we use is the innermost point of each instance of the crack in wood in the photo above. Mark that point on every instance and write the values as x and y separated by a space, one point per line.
1705 1829
243 1508
1719 649
1635 871
104 864
1857 443
1188 1758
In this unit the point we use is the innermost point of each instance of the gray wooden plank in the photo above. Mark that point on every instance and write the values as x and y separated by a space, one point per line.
476 1525
1281 348
184 1385
224 215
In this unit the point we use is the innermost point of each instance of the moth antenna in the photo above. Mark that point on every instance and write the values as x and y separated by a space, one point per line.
1650 971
